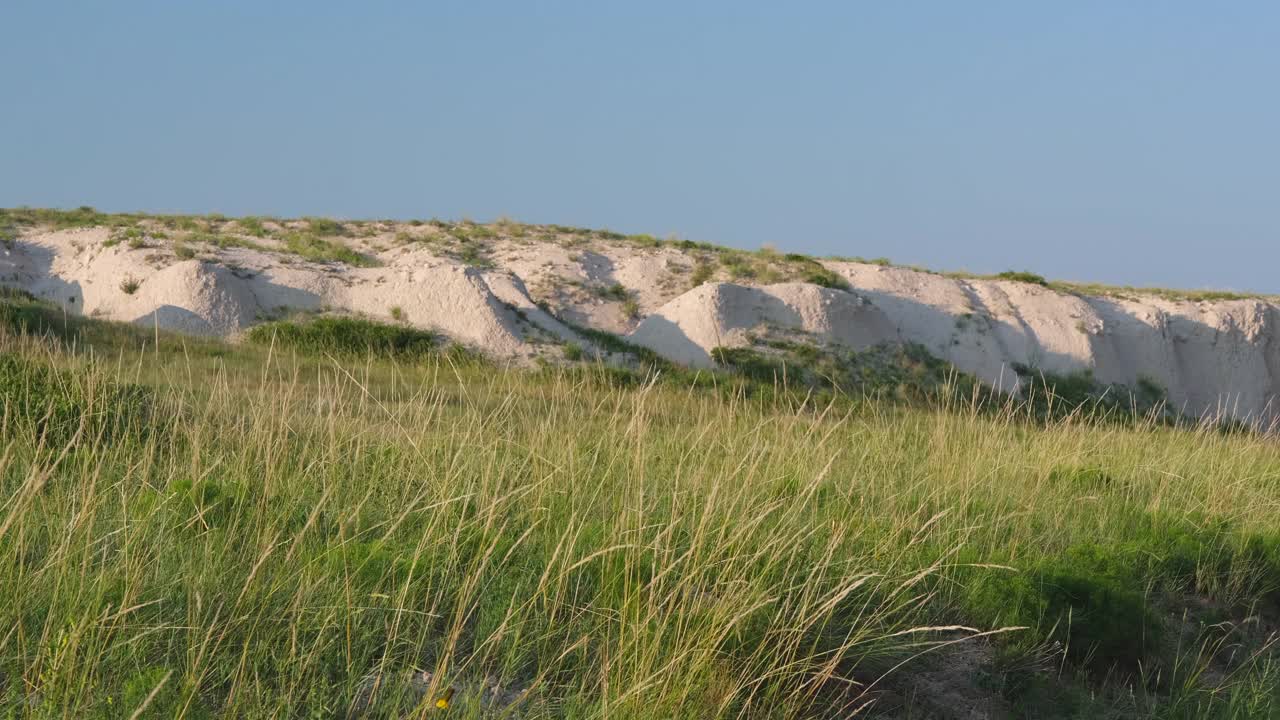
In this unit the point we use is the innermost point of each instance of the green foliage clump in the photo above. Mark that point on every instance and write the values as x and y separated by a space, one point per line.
83 216
1085 598
54 404
251 225
812 271
317 249
1089 478
702 272
354 337
1023 277
739 265
644 240
900 372
325 226
750 363
222 240
647 359
1056 395
615 291
1101 601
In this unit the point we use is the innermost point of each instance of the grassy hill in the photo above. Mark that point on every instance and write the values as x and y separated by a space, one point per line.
359 525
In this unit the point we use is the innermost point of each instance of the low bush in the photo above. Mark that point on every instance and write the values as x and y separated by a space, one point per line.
253 226
345 336
615 291
315 248
1023 277
702 272
326 226
54 404
1086 598
750 363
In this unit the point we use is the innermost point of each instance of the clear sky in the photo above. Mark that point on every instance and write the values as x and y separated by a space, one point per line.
1129 142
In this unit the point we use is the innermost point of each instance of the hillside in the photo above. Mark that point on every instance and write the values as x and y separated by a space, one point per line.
527 294
345 519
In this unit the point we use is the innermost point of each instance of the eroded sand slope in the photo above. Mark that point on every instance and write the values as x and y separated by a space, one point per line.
1209 356
524 300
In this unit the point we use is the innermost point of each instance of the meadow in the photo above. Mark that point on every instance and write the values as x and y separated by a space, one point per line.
292 528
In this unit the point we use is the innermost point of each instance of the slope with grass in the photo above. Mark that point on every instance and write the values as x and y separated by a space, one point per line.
350 520
1219 358
526 294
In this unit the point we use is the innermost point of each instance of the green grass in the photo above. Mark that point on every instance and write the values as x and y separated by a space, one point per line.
470 243
702 272
326 226
318 249
252 226
1023 277
616 291
1166 293
263 530
348 337
222 240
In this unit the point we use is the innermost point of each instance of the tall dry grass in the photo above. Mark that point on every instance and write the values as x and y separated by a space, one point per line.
301 537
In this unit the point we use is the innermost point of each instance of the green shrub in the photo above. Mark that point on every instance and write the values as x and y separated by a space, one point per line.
739 265
750 363
325 226
615 291
702 272
53 403
1023 277
1150 392
1089 598
344 336
814 272
1086 479
156 688
318 249
607 341
470 251
645 240
253 226
573 352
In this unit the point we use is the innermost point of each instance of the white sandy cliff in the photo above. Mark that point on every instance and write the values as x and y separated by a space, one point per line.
1210 356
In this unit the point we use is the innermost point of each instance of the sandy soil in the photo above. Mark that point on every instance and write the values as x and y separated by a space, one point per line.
1209 356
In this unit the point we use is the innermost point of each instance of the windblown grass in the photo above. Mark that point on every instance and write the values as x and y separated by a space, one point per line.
296 534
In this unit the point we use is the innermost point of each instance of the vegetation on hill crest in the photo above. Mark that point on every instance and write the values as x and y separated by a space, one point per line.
326 240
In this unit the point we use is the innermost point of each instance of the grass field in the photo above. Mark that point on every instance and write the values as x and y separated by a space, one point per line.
263 531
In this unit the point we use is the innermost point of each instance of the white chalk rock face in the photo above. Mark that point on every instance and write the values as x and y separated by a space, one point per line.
446 296
191 297
686 329
1211 357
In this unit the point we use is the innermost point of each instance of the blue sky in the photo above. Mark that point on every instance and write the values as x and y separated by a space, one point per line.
1128 142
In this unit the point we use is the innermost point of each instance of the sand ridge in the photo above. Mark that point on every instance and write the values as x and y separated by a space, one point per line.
521 301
